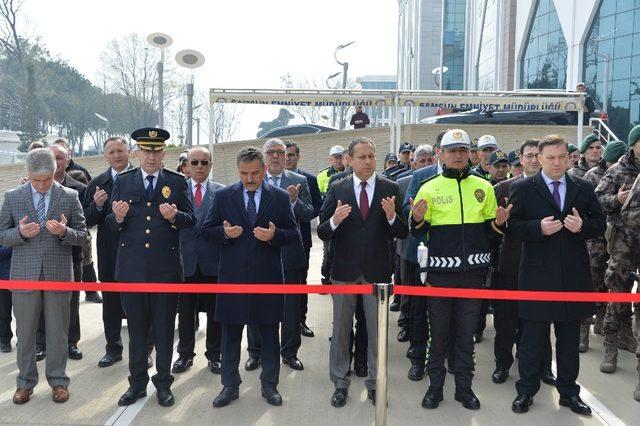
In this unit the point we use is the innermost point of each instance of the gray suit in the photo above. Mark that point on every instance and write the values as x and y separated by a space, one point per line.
43 257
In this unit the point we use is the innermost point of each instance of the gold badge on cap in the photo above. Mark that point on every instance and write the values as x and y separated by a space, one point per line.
166 191
457 136
500 154
153 134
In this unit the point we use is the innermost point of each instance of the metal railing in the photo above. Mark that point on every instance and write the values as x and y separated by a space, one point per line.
602 130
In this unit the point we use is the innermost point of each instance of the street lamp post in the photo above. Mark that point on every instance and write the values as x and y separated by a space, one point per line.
190 59
106 127
161 41
345 69
333 108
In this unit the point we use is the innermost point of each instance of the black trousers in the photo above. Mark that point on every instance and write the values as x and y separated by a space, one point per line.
146 311
507 325
74 318
5 316
463 315
530 355
188 305
404 319
112 314
231 342
304 298
359 339
419 318
290 340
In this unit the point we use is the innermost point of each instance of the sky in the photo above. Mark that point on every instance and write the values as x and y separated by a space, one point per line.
246 43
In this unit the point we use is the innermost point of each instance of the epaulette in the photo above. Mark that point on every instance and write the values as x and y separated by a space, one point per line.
422 182
171 172
326 168
131 170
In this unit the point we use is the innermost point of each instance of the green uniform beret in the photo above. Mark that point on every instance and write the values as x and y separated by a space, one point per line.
613 151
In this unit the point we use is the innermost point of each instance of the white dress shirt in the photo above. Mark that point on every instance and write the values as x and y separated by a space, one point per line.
203 188
146 182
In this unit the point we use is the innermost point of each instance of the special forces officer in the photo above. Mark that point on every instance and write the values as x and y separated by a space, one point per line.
150 204
457 210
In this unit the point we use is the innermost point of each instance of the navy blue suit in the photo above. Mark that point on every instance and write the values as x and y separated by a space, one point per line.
149 251
248 260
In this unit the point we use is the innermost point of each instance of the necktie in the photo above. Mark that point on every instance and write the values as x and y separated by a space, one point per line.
40 210
150 186
274 180
556 194
364 201
251 208
197 198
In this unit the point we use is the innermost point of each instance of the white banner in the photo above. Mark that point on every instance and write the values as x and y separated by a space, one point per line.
315 99
493 102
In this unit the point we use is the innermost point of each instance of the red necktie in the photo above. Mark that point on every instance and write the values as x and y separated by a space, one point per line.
197 198
364 201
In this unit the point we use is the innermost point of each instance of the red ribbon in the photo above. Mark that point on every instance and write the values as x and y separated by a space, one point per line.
547 296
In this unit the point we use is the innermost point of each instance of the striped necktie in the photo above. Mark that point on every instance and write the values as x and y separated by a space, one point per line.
40 210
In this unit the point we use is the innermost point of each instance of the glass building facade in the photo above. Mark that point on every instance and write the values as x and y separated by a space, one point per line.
544 63
454 44
487 60
615 31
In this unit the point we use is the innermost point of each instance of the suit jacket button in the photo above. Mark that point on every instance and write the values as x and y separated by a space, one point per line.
130 201
148 204
148 217
146 245
148 231
123 245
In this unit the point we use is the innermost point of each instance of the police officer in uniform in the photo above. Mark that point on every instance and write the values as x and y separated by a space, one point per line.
487 144
150 204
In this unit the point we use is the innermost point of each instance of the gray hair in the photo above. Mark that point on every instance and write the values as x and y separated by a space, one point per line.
423 150
249 154
40 161
273 142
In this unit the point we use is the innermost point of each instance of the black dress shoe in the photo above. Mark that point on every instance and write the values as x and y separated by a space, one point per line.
40 354
468 399
403 335
131 396
547 377
500 375
395 306
75 353
182 364
109 359
477 337
5 347
93 297
165 398
293 362
522 403
271 394
416 372
339 397
226 395
149 362
371 395
432 398
411 352
361 370
576 405
305 330
215 366
252 363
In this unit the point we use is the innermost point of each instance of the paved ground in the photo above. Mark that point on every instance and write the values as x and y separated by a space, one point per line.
95 391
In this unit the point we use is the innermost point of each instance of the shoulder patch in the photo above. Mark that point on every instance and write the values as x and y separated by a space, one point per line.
480 195
422 182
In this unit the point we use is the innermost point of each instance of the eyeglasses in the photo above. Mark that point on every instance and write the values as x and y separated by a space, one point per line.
529 156
201 162
279 153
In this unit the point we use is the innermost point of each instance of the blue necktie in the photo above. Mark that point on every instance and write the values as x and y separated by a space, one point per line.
40 210
251 208
556 194
150 186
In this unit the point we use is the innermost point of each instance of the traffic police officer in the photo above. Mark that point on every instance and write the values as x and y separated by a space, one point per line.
150 204
459 213
335 158
486 145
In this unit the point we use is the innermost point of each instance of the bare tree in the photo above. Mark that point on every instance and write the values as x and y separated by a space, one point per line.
9 39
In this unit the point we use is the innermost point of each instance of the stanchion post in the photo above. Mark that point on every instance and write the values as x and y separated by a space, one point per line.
383 293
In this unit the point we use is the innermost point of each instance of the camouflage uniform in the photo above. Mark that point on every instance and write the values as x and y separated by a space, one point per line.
599 256
580 169
624 251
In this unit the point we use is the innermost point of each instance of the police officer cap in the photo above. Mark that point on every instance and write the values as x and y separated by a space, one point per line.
150 138
497 157
571 148
406 146
474 144
336 150
455 138
514 157
586 142
487 141
391 157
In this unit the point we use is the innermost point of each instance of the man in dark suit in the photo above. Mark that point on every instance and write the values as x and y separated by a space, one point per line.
97 205
553 214
62 156
294 261
251 220
149 206
360 215
505 317
201 259
291 164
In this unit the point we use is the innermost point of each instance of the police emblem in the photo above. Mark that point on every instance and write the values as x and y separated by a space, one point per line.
153 134
457 136
500 154
166 192
479 193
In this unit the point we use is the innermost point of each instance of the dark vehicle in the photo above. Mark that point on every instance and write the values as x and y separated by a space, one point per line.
477 116
296 129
